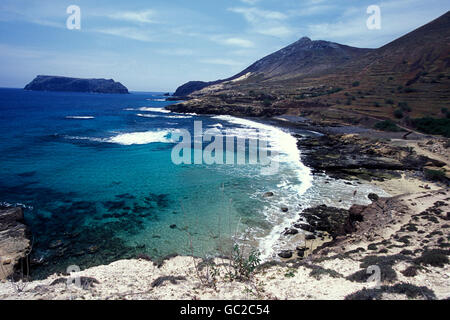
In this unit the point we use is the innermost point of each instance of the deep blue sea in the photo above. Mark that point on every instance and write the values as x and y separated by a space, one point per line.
95 174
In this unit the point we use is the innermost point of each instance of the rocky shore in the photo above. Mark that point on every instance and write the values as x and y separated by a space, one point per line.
405 236
15 244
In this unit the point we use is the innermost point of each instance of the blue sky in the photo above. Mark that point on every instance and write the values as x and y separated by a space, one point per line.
156 45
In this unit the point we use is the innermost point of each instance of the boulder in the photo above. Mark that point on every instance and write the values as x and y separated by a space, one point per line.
290 231
335 221
285 254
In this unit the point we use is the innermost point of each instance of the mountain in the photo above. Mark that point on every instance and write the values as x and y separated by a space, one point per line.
405 79
301 58
55 83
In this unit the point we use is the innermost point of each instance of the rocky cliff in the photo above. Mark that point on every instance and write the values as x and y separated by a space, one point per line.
15 242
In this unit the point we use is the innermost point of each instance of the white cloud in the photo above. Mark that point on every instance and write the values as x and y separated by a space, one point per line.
130 33
145 16
239 42
254 15
250 1
266 22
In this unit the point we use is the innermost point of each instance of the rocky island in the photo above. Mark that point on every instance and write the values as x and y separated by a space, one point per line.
56 83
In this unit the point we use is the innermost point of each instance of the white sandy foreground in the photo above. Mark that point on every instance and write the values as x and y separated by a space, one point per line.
141 279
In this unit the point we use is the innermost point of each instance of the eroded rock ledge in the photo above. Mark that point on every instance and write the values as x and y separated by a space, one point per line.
15 244
351 156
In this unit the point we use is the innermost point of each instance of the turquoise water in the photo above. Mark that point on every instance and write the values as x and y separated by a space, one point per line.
95 174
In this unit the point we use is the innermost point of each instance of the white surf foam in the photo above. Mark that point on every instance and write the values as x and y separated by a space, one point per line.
146 137
132 138
288 192
146 115
80 117
152 109
178 117
156 100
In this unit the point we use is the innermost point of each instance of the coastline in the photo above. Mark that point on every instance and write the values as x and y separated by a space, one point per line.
323 269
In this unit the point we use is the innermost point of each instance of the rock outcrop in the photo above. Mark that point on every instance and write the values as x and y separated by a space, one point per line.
15 244
55 83
347 156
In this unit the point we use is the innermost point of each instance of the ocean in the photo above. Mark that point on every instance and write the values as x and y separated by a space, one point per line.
95 175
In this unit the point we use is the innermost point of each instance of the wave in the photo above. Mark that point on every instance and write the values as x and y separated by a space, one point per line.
178 117
131 138
296 178
80 117
145 137
160 110
146 115
160 100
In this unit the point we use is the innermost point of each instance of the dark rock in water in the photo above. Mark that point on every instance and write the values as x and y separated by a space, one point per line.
335 221
268 194
55 244
284 209
55 83
143 257
373 196
125 196
27 174
173 226
290 231
114 205
92 249
14 241
285 254
304 226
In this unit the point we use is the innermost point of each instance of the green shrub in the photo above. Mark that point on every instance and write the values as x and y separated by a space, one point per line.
387 125
355 84
389 101
398 113
404 106
433 126
267 103
243 267
434 175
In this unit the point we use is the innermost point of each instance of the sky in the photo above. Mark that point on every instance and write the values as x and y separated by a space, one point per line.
157 45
